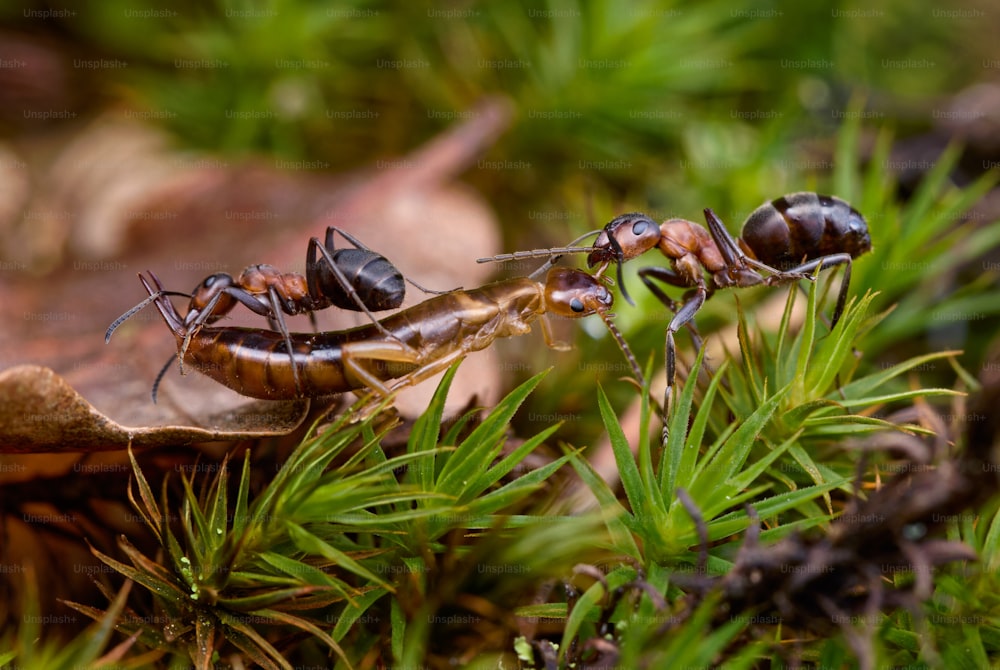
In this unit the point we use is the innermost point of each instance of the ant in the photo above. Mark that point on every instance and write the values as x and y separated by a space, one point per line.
357 279
790 238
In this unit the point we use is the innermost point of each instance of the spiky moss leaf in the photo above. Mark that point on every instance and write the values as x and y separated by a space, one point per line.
217 503
696 644
507 464
148 509
804 343
311 544
835 349
865 385
398 629
308 627
734 451
148 573
583 609
638 489
681 449
249 641
687 467
275 597
462 475
241 516
749 474
83 651
619 520
305 465
354 610
517 490
424 434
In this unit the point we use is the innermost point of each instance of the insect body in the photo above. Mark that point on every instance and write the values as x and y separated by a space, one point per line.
357 279
787 239
421 341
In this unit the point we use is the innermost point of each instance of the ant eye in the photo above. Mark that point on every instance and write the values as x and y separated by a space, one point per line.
576 305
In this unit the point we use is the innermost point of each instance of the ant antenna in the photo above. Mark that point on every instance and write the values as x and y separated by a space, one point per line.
542 253
153 297
553 259
160 376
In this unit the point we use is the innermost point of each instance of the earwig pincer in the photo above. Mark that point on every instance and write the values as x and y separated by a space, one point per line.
408 347
357 279
788 239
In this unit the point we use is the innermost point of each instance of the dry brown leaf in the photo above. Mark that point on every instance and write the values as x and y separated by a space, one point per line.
40 412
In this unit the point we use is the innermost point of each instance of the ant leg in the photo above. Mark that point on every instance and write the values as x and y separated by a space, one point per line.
737 262
668 276
313 280
693 303
818 265
279 321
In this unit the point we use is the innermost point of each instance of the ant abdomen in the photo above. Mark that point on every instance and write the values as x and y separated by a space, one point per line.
376 281
803 226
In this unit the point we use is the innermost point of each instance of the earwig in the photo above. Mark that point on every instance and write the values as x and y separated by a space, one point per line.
422 340
357 279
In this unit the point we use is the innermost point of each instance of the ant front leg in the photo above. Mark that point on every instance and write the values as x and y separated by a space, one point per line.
694 301
668 276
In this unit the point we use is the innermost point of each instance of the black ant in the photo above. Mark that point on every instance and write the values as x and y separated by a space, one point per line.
357 279
789 238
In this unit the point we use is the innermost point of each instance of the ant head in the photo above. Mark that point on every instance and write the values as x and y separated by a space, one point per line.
211 292
573 293
625 237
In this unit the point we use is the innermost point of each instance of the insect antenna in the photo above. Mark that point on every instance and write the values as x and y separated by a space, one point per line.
153 297
571 248
627 352
558 253
160 376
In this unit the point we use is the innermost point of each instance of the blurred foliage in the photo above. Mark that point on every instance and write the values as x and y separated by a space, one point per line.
725 85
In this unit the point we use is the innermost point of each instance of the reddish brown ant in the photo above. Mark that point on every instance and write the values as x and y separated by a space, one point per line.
357 279
790 238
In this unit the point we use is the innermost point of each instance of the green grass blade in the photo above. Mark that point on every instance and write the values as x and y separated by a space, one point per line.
632 482
735 450
464 466
681 449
